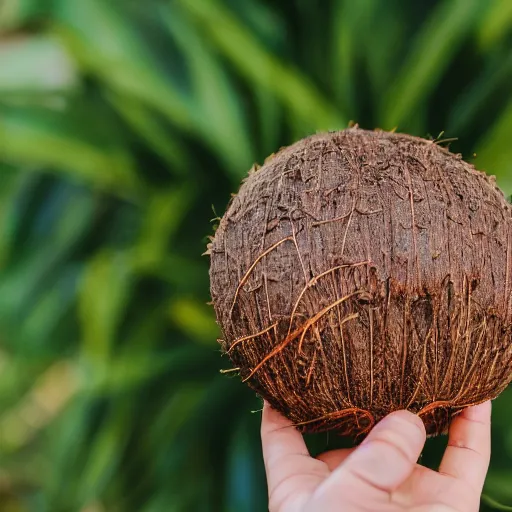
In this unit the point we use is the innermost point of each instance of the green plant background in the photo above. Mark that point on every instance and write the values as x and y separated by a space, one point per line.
121 124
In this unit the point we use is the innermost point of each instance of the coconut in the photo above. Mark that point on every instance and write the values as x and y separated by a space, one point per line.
361 272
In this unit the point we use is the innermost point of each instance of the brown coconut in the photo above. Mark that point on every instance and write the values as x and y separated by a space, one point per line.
359 272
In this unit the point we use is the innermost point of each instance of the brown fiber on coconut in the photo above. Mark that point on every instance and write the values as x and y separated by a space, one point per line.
359 272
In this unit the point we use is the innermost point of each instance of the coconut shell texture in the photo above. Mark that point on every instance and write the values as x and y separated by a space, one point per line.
359 272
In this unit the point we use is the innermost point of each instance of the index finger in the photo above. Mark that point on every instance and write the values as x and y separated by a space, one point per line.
469 446
289 467
278 437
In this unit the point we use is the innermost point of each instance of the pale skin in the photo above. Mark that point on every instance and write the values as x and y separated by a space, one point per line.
382 473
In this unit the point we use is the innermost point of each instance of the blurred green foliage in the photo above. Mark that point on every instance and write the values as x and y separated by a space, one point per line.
121 124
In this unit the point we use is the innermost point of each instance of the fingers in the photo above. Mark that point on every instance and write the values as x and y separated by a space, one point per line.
384 460
279 438
389 453
290 469
469 446
334 458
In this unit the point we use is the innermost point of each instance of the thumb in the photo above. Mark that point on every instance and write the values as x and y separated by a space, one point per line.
385 459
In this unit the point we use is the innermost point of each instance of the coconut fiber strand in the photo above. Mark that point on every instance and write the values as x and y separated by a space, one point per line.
360 272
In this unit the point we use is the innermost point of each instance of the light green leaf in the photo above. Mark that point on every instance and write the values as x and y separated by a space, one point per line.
162 217
102 301
493 504
35 63
18 376
496 24
497 484
195 319
14 13
49 394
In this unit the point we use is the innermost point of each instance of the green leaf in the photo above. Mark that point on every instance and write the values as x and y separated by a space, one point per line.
497 483
102 301
106 43
431 52
162 218
194 319
48 395
178 410
221 121
493 504
259 66
105 187
18 375
10 14
40 275
191 277
42 321
150 128
15 13
349 19
469 104
11 187
383 47
104 454
45 138
494 152
245 472
496 24
66 443
270 113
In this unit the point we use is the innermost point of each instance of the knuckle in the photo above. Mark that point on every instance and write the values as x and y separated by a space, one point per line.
391 449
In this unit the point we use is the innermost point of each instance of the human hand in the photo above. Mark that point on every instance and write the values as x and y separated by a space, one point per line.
381 474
